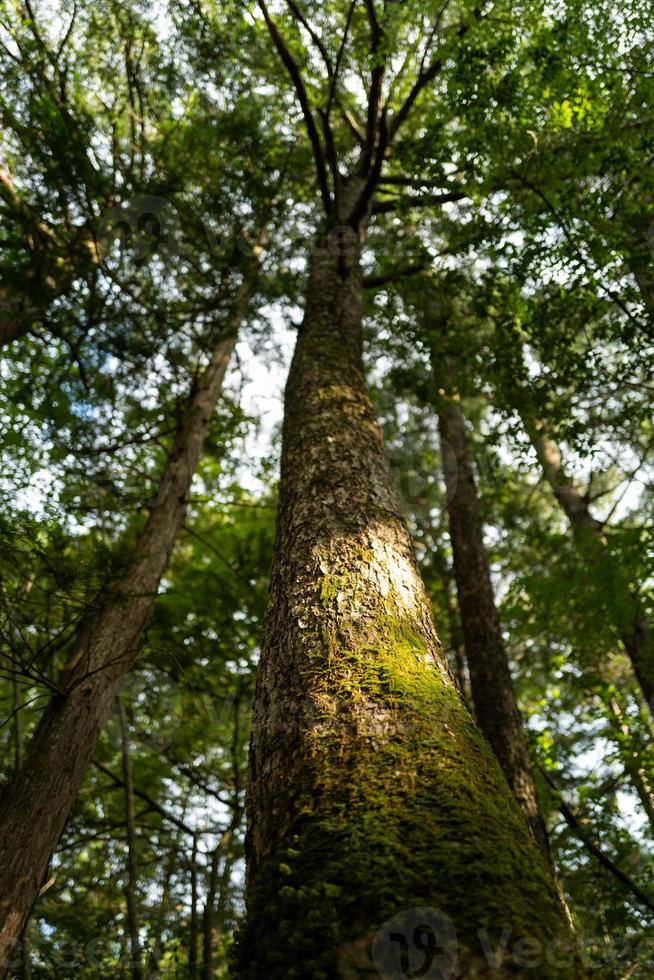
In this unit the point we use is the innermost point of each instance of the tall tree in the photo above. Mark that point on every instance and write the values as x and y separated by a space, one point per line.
496 706
590 536
36 805
355 704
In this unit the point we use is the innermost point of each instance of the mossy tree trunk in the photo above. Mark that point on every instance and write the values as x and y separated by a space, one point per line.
371 789
37 803
493 693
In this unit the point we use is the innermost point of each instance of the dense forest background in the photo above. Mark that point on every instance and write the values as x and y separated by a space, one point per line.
163 170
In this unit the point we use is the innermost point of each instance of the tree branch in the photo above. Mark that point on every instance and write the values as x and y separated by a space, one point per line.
374 282
425 77
317 40
417 201
376 81
339 58
371 184
157 807
576 825
300 89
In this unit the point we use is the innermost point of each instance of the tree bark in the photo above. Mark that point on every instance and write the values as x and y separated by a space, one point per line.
25 968
493 693
131 883
634 630
371 790
37 803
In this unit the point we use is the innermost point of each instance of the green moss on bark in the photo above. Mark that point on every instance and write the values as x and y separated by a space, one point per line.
403 805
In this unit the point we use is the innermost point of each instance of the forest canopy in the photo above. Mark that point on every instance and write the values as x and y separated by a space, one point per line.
326 538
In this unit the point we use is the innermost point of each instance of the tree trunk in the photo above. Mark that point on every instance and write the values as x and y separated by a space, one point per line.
213 920
131 883
638 776
371 790
457 641
193 933
158 928
496 706
206 972
37 803
25 968
633 628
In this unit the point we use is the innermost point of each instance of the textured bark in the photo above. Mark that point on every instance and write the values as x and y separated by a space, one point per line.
634 630
493 692
370 789
131 883
37 803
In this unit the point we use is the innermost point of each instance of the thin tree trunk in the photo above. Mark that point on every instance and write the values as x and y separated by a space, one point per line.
446 576
131 883
371 789
37 803
158 928
25 970
496 705
585 834
633 628
193 938
206 972
214 911
456 632
215 890
637 775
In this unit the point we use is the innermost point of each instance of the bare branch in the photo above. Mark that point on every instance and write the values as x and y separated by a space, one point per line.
332 155
417 201
315 37
581 830
339 58
152 804
424 78
376 82
375 282
352 122
300 89
426 75
363 203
